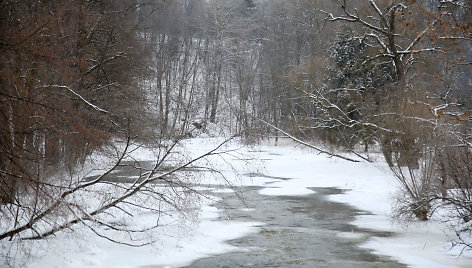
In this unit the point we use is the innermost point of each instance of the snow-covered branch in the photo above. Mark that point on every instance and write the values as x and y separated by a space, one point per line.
139 186
308 144
68 88
420 36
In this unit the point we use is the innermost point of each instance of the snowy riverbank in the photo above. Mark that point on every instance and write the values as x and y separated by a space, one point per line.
369 187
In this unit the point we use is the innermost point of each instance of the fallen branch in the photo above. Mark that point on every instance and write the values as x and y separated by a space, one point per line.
308 144
144 179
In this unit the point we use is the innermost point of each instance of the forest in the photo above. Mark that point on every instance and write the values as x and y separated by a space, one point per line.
347 77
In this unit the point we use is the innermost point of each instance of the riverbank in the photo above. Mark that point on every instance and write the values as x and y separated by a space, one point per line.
285 171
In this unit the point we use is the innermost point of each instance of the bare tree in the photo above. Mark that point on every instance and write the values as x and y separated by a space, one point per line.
405 115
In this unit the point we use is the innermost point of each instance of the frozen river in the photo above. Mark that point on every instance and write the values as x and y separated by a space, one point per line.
299 231
318 212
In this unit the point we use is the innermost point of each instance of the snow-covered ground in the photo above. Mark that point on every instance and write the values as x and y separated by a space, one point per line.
369 187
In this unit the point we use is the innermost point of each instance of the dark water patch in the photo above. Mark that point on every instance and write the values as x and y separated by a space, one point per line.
136 171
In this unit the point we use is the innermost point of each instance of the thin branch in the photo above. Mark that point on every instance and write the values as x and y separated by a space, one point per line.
149 179
308 144
78 95
60 200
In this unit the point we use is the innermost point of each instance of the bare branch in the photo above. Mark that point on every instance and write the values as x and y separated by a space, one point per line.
308 144
76 94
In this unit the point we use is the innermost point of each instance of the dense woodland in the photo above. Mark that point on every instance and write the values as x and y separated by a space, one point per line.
355 76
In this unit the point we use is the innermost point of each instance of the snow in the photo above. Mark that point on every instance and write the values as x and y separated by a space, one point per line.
287 190
367 186
223 191
178 246
371 188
